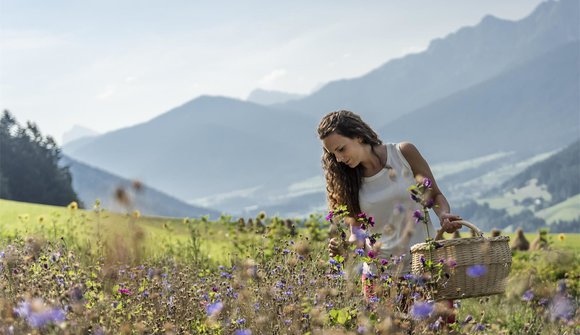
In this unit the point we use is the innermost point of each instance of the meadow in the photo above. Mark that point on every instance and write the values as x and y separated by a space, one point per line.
64 270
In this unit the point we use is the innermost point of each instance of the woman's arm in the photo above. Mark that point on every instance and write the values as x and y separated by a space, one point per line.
420 170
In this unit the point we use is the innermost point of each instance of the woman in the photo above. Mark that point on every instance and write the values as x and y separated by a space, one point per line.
371 177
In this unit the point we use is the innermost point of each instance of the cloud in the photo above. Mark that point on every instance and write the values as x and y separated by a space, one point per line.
107 93
28 40
272 77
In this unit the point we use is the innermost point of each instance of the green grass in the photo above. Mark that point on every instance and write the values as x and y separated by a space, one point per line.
566 211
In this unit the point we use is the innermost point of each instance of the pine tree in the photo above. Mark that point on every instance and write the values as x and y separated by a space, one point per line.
29 165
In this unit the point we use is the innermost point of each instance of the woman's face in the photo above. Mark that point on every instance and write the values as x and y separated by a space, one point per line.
349 151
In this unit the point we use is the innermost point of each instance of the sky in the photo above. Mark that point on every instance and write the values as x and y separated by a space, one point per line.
110 64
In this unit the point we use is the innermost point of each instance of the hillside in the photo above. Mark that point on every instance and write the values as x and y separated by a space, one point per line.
91 184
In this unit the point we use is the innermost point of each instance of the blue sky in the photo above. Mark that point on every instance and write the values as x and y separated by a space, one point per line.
111 64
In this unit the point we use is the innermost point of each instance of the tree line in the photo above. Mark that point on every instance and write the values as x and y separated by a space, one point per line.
29 165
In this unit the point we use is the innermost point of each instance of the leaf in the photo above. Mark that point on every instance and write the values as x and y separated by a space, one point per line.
343 317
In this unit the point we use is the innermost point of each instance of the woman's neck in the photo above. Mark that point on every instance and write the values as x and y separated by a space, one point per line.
376 161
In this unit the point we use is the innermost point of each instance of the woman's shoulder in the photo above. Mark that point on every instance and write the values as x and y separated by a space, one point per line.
408 149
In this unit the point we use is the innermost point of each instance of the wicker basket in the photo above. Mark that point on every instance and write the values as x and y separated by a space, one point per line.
493 253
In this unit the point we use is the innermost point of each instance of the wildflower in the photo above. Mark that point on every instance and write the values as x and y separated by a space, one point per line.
561 237
421 310
214 309
468 318
561 308
359 251
124 291
41 219
333 261
429 203
241 321
243 332
476 271
528 295
371 254
427 182
329 216
384 261
136 214
73 205
422 259
479 327
37 314
451 262
418 215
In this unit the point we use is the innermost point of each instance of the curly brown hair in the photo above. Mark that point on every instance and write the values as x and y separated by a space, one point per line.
342 182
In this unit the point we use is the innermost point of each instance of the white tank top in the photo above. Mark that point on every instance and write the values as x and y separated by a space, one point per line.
385 197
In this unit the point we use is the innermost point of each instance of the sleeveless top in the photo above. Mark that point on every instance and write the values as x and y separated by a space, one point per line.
385 197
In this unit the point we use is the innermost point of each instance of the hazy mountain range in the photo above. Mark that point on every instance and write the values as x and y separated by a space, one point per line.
91 184
501 86
265 97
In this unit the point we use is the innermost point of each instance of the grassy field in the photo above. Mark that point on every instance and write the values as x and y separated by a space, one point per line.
168 276
216 238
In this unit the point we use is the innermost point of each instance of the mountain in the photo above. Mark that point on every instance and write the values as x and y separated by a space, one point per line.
77 132
91 184
530 109
462 59
211 145
264 97
498 87
560 174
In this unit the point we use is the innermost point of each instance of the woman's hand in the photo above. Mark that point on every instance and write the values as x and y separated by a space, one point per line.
334 246
447 223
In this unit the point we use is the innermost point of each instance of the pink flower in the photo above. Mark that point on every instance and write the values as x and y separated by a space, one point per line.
124 291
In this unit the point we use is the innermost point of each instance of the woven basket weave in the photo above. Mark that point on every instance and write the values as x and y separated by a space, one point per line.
493 253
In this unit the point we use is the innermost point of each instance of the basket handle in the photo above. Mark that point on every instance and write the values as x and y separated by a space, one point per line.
467 224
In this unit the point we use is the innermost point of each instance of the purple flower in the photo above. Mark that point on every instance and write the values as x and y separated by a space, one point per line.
528 295
561 308
124 291
215 308
374 299
41 318
372 221
384 261
476 271
427 182
371 254
479 327
359 251
241 321
451 262
414 198
418 215
430 203
243 332
329 216
421 310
